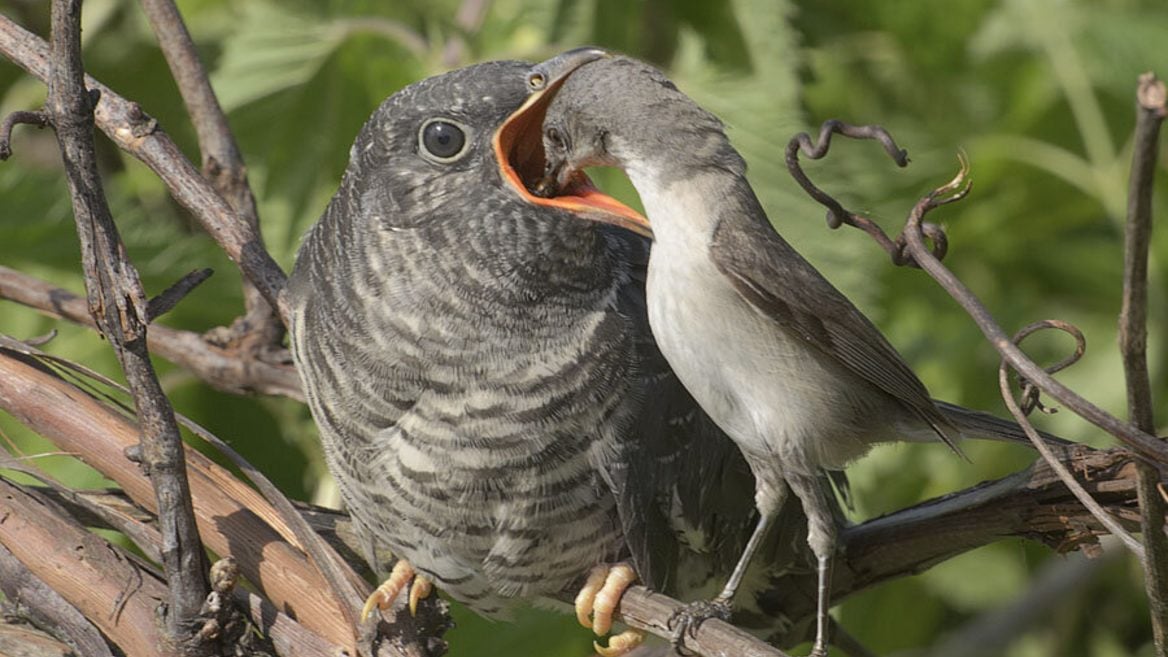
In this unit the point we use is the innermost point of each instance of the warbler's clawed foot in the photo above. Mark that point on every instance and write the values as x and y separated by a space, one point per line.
685 621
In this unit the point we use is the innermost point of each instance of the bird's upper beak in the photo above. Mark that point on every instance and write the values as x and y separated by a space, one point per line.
519 150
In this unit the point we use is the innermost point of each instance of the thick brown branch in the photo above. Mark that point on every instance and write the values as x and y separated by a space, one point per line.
118 304
112 590
131 129
1133 343
28 597
226 368
288 637
1031 504
233 518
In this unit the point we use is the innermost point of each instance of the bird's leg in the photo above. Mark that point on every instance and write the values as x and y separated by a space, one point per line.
402 575
821 536
597 601
760 530
821 608
686 620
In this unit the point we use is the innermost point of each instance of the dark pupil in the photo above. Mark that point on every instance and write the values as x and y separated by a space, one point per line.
443 139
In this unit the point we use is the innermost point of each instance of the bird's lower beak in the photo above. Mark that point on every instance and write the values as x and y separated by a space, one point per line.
522 162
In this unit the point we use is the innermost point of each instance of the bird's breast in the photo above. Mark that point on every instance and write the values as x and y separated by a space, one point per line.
781 400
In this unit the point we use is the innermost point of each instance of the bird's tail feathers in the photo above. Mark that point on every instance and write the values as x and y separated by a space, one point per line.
976 424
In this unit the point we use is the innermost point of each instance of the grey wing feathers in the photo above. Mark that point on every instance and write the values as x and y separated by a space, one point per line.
776 280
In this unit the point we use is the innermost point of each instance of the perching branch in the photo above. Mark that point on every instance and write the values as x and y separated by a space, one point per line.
118 304
27 596
85 570
1133 343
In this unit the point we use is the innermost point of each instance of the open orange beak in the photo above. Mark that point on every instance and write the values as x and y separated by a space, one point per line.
519 150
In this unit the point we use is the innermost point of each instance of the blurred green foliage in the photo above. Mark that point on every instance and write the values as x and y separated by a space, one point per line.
1038 93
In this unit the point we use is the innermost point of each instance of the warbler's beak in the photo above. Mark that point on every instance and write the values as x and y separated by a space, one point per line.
520 154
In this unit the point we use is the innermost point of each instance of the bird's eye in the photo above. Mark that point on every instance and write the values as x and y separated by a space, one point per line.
556 140
442 140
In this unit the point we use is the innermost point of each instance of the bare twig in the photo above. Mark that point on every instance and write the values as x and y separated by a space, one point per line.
29 597
956 189
222 162
169 298
118 304
132 130
1141 442
914 235
36 118
1133 342
1049 455
837 215
226 369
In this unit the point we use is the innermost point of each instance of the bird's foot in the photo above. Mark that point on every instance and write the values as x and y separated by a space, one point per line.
402 575
620 644
597 601
819 648
686 620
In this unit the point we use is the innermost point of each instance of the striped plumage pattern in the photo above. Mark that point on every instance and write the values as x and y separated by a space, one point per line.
490 400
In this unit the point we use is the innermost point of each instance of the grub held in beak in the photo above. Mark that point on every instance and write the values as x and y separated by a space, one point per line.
522 162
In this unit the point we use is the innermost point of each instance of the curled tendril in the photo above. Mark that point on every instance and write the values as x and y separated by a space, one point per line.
1029 398
838 215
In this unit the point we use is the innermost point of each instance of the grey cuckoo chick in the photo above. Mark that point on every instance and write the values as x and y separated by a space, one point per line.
481 370
776 355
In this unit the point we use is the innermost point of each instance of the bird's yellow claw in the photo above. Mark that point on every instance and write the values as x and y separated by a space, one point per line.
382 597
620 644
418 590
587 595
608 597
597 602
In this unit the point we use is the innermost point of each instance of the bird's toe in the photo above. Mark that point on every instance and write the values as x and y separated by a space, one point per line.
619 577
419 589
619 645
686 620
384 595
